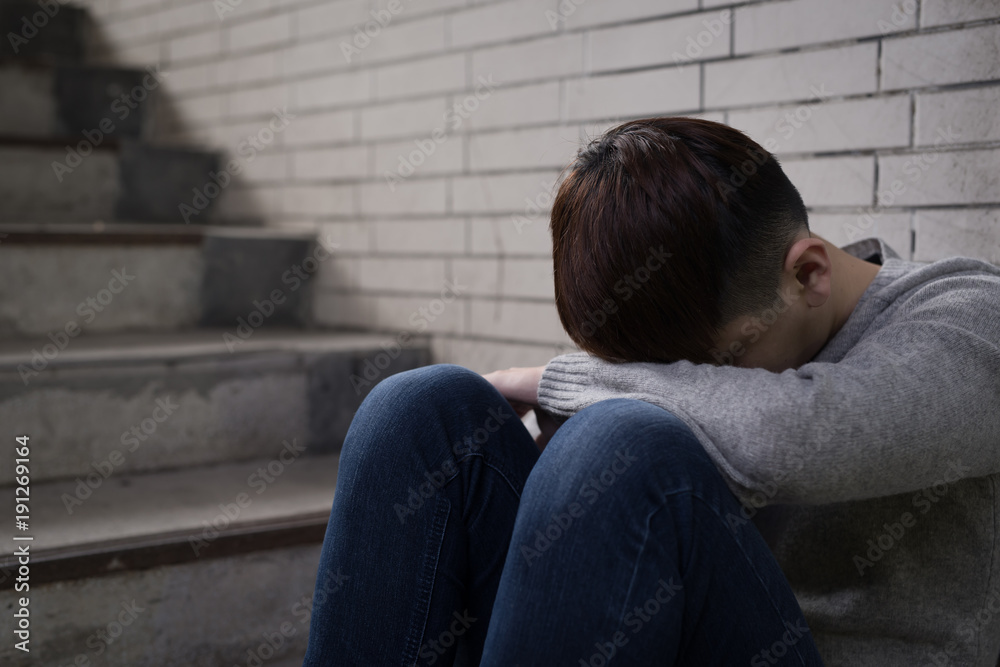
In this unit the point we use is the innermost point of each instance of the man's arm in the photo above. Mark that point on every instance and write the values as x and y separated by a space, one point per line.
909 406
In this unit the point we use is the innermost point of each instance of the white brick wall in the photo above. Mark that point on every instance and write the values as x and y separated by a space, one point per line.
889 104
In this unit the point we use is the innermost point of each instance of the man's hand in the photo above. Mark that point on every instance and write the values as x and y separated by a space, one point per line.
520 387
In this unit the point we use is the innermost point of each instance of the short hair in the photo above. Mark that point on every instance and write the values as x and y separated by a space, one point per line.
702 192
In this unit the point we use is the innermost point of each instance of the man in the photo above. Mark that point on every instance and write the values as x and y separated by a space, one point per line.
849 399
770 451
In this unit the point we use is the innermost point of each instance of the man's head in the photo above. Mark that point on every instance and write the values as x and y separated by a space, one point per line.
671 235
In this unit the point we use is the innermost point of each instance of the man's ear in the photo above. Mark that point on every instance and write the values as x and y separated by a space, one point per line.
808 269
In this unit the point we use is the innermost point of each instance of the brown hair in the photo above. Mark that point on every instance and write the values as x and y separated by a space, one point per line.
664 231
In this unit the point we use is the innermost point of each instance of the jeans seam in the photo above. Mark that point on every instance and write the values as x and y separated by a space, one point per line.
426 591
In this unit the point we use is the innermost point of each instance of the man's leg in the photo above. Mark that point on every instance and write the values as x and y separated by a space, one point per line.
430 479
628 544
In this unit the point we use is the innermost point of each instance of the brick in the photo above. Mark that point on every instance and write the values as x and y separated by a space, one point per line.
413 9
941 58
964 232
257 101
500 21
404 40
260 32
961 177
410 197
400 274
421 77
505 277
944 12
504 193
350 236
420 236
319 128
971 114
552 146
560 55
248 69
596 12
332 91
321 56
190 47
793 76
659 91
843 228
183 81
320 201
182 18
781 25
403 119
424 155
330 163
330 18
414 314
266 167
510 107
831 126
667 42
501 235
516 320
837 181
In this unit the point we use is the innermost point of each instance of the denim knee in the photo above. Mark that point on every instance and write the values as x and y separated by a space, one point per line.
617 439
415 400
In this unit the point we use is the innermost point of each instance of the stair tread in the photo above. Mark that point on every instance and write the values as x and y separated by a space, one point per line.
129 507
131 348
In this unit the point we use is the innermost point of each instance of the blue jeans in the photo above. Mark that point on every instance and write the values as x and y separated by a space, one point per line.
453 542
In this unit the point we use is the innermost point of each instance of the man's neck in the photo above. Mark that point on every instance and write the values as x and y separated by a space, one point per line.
851 277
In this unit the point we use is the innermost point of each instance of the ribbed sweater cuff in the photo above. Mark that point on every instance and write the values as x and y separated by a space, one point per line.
563 383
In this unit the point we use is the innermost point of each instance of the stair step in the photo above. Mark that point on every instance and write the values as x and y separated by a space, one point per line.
184 276
89 181
49 30
68 104
217 558
128 403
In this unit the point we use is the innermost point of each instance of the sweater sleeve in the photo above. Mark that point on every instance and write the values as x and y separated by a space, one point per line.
914 403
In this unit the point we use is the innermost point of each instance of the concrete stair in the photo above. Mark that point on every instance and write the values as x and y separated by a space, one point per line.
184 414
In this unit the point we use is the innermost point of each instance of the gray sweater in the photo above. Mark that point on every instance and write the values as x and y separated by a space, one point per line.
873 471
